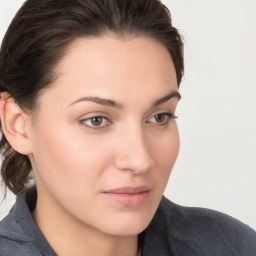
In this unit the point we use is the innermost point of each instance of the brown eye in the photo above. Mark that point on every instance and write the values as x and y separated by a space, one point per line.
161 118
95 122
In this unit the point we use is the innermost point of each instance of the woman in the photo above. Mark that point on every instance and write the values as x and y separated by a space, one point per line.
89 92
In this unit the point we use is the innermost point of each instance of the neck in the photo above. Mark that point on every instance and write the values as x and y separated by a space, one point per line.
68 236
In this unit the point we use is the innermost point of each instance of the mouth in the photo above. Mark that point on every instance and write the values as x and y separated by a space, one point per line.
129 196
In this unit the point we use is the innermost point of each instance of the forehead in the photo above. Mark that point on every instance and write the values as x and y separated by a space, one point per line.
108 65
104 53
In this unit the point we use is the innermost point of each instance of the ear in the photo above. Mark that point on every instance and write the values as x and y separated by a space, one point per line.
13 121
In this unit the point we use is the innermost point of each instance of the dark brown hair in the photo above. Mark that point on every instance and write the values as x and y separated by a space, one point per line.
37 39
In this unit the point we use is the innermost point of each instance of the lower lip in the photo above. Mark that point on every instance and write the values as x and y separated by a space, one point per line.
130 200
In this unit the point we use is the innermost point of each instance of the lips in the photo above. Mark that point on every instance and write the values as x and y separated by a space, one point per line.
129 196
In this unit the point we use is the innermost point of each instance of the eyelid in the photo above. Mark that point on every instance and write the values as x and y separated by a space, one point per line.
168 116
82 122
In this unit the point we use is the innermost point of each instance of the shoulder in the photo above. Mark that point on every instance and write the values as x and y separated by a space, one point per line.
201 218
198 231
13 241
19 234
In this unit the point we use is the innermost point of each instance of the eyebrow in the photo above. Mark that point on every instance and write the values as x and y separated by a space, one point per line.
114 104
101 101
174 94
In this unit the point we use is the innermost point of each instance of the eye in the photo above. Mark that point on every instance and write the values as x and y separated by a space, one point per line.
95 122
162 118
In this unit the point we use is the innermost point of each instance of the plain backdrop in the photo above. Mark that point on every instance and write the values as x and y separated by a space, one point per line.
216 167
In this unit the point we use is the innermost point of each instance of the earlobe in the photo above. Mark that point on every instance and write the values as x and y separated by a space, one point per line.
13 124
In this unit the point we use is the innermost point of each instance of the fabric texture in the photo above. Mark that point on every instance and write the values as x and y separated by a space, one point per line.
175 230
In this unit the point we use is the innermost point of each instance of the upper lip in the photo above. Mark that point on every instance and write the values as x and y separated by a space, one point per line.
129 190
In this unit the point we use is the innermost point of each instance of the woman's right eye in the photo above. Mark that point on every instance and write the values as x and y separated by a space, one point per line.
95 122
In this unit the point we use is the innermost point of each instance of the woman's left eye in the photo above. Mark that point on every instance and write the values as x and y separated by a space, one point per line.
95 122
162 118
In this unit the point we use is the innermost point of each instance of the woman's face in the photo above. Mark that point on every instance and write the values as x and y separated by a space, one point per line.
105 140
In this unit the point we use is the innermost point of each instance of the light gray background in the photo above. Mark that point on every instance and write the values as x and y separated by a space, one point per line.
216 167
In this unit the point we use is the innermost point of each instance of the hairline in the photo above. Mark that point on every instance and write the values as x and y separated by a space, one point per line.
66 47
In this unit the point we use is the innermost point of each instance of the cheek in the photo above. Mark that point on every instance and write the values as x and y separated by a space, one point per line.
67 159
165 152
166 149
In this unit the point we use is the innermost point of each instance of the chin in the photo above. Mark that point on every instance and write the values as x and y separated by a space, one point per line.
128 224
130 221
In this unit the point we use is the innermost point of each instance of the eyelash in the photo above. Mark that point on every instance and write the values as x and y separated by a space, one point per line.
82 122
167 118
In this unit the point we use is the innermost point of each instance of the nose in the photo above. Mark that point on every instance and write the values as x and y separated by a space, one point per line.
133 152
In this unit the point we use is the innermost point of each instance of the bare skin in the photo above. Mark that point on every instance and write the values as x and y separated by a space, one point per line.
105 125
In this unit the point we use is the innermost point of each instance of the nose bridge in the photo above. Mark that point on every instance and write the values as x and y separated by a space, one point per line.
133 151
